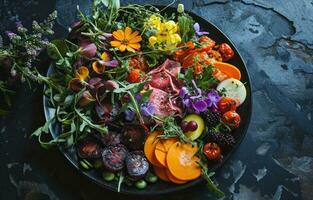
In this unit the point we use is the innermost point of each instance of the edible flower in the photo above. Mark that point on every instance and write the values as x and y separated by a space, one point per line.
129 114
126 40
85 99
147 109
88 49
166 36
196 26
99 66
78 82
199 101
82 73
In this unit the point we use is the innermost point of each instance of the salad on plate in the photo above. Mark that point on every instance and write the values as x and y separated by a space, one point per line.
143 96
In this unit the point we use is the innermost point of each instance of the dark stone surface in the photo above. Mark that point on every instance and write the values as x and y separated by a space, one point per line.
274 160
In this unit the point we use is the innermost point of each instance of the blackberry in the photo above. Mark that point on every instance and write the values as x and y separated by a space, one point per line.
212 118
223 128
225 141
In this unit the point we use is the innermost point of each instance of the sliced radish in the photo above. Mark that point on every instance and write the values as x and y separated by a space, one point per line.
233 88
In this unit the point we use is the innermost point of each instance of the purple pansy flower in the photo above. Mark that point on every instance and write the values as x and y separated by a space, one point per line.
129 114
196 26
147 109
200 106
199 101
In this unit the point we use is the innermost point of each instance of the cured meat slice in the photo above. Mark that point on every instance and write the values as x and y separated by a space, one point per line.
162 103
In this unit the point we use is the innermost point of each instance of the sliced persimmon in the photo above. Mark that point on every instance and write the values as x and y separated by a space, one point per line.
228 69
173 178
182 162
149 148
162 148
161 173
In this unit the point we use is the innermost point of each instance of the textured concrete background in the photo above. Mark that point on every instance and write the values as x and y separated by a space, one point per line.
273 162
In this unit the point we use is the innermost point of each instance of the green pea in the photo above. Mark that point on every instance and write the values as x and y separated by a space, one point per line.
97 164
151 178
141 184
108 176
83 164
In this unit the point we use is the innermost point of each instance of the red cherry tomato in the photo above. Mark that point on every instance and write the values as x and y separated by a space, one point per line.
226 51
212 151
232 119
227 104
160 80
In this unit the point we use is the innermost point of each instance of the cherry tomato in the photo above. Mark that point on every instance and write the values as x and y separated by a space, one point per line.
226 51
227 104
212 151
160 80
232 119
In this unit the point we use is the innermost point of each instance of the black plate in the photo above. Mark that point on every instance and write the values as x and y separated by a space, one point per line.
163 187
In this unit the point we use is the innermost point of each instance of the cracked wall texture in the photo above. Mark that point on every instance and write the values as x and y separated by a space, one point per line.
275 159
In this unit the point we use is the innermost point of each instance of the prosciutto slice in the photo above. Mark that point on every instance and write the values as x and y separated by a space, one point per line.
165 85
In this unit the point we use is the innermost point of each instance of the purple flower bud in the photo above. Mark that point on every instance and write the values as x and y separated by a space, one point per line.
138 97
94 81
183 92
111 63
199 106
196 27
10 34
110 85
85 99
105 36
19 24
88 49
147 109
129 114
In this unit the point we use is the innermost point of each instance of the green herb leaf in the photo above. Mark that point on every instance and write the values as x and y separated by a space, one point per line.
185 23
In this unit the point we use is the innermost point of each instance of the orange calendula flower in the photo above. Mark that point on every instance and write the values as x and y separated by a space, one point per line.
126 40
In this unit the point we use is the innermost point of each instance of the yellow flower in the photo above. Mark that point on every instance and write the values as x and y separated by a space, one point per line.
126 40
166 36
153 40
154 22
82 73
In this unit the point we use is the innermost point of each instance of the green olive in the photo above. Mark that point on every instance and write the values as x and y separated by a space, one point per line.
108 176
84 165
151 178
97 164
141 184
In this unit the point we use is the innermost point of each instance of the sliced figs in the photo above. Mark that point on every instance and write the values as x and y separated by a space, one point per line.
88 148
137 165
134 137
113 157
